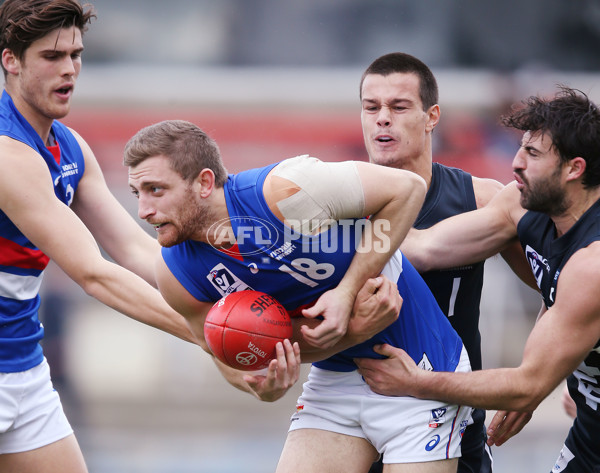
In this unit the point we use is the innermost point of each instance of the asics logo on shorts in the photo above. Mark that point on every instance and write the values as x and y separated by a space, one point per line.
432 443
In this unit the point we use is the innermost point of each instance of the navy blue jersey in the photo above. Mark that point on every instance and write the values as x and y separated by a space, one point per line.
22 264
547 255
457 290
296 269
458 293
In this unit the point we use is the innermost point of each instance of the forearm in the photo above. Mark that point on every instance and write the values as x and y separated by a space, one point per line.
383 233
141 259
514 256
233 376
352 337
311 354
273 383
449 244
127 293
494 389
130 246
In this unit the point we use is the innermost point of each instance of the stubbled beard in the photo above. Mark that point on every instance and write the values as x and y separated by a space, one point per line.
545 196
194 219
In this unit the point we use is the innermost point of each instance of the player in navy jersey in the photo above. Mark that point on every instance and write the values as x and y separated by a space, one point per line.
553 207
399 102
49 178
298 230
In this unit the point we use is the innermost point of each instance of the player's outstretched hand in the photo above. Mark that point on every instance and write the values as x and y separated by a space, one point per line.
377 306
505 425
335 307
391 376
282 373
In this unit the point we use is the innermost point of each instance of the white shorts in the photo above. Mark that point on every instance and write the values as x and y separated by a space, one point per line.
402 429
31 415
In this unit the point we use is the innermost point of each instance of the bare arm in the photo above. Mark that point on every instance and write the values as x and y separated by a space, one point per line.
110 224
469 237
27 197
392 208
505 424
558 343
377 305
485 190
282 372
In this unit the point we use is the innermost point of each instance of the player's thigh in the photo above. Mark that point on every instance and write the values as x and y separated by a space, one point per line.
311 450
438 466
63 456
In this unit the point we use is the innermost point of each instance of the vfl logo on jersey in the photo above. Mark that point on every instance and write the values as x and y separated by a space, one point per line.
225 281
425 364
438 417
563 460
538 264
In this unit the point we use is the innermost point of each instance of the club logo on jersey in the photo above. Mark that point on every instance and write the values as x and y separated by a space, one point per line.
225 281
438 417
538 264
69 192
252 235
283 251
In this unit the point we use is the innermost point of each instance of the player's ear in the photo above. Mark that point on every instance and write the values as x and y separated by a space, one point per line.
206 182
576 167
10 61
433 117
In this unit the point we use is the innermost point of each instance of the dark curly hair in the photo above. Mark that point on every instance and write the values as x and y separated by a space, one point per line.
24 21
571 120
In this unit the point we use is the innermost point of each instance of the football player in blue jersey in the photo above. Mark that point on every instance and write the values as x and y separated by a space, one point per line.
51 188
553 208
400 111
309 233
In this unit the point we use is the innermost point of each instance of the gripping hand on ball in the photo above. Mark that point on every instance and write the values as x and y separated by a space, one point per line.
282 373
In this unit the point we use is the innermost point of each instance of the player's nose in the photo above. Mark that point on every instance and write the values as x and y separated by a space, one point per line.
383 117
145 209
519 161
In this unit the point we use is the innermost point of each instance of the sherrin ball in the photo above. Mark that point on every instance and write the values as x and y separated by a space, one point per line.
242 329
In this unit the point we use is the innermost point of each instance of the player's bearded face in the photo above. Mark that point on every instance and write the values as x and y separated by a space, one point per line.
545 195
190 220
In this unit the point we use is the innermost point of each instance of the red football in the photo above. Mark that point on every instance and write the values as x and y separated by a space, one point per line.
242 328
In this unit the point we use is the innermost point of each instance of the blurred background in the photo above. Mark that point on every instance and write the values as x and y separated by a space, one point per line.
271 79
